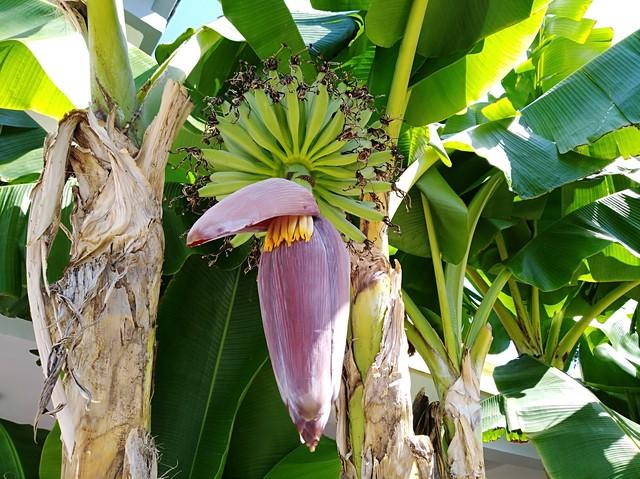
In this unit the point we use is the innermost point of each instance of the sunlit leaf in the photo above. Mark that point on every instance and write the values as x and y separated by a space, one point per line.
607 88
446 89
574 433
550 260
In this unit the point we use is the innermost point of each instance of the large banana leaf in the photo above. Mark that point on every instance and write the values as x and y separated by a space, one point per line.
19 454
20 154
50 81
268 25
562 119
210 348
51 457
450 217
566 42
14 206
606 89
14 203
409 233
263 433
610 363
614 263
325 463
446 87
340 5
575 435
265 24
525 158
550 260
44 64
448 27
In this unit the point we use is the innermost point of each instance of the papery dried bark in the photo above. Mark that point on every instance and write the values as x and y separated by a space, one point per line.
101 314
389 448
462 410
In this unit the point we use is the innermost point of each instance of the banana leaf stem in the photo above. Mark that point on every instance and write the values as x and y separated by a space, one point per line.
572 337
480 348
507 320
442 378
553 336
112 86
455 273
535 316
450 325
398 93
437 359
482 314
515 294
397 104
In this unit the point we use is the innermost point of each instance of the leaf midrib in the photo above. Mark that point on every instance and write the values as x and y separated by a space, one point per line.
12 449
232 302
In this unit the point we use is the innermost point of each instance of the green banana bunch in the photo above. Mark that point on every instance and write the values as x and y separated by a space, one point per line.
314 134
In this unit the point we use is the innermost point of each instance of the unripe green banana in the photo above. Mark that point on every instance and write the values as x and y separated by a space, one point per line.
239 142
317 135
222 160
341 223
316 117
363 209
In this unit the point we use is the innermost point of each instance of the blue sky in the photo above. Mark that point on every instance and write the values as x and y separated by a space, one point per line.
191 13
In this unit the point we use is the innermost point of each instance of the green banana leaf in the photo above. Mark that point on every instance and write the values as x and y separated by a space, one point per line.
614 263
550 260
508 146
14 203
575 434
450 217
548 129
448 28
19 454
18 119
44 65
263 433
567 42
268 25
409 233
51 457
610 361
324 465
340 5
443 88
572 9
20 154
327 35
265 24
31 76
607 88
210 349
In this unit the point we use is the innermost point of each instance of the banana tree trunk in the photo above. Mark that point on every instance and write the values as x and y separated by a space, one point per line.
95 327
375 425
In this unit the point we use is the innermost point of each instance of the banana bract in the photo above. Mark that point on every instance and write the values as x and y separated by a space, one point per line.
303 284
314 134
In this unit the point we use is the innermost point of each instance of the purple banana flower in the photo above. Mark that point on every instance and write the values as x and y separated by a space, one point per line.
303 284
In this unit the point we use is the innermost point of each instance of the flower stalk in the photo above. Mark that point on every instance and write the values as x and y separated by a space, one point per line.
112 86
375 425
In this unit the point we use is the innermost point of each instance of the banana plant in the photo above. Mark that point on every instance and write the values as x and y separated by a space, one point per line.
477 229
